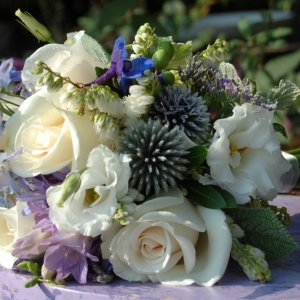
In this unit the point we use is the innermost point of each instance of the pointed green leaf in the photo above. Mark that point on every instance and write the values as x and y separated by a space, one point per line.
204 195
196 156
279 128
284 94
264 231
227 197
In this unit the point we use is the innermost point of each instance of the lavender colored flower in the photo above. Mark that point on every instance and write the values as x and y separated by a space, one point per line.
7 178
67 254
35 191
8 74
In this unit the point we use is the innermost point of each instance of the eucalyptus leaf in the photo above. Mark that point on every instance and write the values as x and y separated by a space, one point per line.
196 156
204 195
264 231
284 94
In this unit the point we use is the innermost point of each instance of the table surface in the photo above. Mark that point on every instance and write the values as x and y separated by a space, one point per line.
234 284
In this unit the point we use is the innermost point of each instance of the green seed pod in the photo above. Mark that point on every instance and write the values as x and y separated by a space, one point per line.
168 78
168 47
161 59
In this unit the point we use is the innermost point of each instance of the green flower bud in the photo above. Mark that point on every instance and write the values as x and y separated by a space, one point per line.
35 27
168 47
168 78
161 59
36 71
48 79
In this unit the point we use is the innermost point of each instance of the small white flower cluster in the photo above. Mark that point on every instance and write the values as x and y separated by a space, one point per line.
126 206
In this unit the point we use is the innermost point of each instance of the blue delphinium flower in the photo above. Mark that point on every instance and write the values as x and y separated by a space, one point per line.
134 69
178 107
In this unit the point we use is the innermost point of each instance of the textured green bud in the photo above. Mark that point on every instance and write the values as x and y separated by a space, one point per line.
36 71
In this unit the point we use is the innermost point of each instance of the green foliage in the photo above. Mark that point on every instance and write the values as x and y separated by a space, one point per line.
196 156
264 231
207 195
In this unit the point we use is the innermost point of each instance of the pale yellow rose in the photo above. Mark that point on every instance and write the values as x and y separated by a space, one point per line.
52 136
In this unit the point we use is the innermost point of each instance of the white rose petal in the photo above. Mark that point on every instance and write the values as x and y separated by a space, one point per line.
13 225
171 242
52 136
71 61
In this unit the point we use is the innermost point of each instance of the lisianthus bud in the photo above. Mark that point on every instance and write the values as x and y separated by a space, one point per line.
35 27
69 186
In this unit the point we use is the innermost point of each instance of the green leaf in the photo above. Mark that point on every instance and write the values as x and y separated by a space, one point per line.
244 28
182 52
279 128
284 94
204 195
227 197
91 46
264 231
100 71
196 156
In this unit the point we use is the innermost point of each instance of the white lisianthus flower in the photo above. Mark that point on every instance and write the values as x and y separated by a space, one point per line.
245 156
136 103
170 241
71 61
91 207
52 136
13 225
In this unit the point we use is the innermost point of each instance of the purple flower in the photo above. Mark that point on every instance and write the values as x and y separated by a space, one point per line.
8 74
7 179
118 55
67 254
35 191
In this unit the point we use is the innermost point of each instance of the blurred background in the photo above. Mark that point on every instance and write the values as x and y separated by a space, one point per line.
264 34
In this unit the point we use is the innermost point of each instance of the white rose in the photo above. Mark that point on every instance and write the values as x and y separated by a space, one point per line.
71 61
171 241
90 210
52 136
245 156
13 225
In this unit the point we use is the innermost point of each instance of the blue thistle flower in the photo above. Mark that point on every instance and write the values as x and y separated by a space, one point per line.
178 107
157 156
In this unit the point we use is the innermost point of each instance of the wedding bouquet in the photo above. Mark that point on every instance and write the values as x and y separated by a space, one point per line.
150 163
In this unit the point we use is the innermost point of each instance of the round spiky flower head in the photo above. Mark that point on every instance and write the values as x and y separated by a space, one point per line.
178 107
157 156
